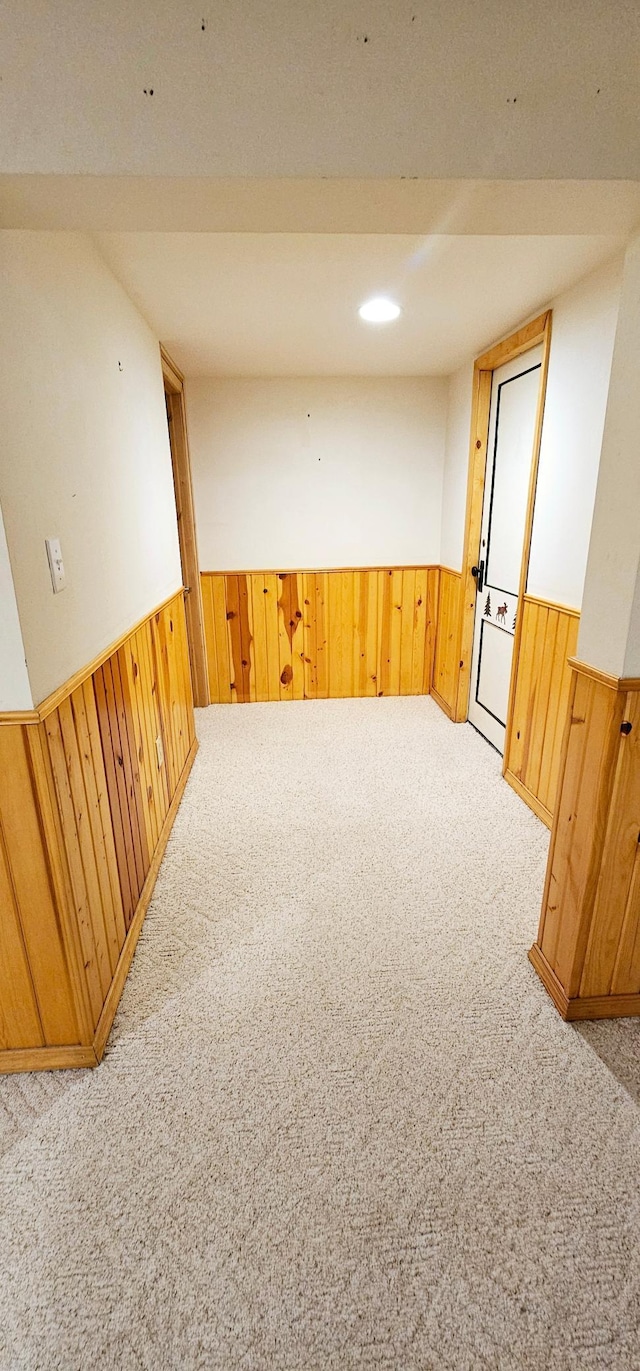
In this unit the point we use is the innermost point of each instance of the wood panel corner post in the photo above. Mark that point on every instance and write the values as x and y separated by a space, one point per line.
185 512
587 952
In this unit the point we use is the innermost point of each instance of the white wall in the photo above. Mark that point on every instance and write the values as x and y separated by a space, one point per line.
317 473
583 332
456 465
610 624
85 452
584 323
15 691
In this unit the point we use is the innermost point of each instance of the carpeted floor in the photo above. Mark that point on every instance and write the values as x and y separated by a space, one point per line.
339 1124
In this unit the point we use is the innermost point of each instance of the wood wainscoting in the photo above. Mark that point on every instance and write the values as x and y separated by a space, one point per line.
89 787
301 635
540 700
588 947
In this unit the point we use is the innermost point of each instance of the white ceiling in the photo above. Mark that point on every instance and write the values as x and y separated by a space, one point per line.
316 88
249 304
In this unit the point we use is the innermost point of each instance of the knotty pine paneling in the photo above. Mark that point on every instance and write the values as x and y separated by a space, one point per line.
319 634
85 798
36 1000
549 637
588 946
446 667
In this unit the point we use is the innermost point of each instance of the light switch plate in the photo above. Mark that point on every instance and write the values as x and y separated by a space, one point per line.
56 564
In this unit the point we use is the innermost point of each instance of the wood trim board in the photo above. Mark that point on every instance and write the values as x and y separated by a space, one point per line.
186 519
528 528
525 338
529 336
578 1010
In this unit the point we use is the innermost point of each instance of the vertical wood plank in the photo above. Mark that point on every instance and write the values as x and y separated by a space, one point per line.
79 834
272 628
20 1024
619 852
540 699
310 635
626 975
334 634
94 958
446 665
83 709
371 632
385 610
584 812
408 627
297 635
208 619
128 890
156 798
433 591
217 638
258 629
347 631
286 630
419 631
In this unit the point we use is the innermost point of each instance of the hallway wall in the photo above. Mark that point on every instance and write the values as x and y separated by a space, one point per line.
85 453
315 473
583 329
15 691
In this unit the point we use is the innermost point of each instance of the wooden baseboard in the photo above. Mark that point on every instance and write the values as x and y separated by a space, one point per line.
46 1059
126 956
446 709
529 798
586 1007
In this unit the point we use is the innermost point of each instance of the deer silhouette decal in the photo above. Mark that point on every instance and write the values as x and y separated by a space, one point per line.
501 613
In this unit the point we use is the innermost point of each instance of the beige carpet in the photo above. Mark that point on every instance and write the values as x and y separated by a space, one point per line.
339 1124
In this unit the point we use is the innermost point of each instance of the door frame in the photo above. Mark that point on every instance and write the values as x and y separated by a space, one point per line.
537 331
185 513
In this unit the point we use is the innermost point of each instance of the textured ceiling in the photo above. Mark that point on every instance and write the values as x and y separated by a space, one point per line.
286 304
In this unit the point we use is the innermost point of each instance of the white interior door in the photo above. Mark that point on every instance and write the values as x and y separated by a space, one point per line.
514 401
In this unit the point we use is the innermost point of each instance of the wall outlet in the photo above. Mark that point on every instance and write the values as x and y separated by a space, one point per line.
159 750
56 564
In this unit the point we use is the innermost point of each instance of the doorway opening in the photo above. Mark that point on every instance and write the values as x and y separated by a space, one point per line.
185 513
514 399
508 404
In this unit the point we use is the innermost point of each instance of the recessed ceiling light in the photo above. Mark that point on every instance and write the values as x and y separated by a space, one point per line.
380 310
